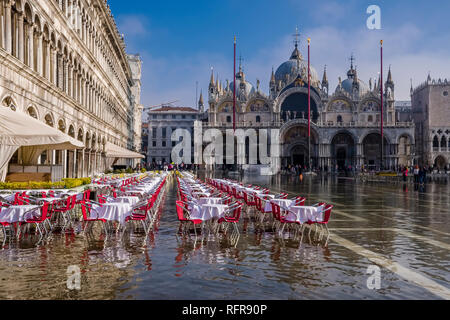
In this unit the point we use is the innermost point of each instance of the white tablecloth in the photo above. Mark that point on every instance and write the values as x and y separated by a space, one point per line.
116 211
130 200
18 213
202 201
283 203
304 214
207 212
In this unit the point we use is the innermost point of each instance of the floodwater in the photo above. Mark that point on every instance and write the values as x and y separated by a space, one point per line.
403 225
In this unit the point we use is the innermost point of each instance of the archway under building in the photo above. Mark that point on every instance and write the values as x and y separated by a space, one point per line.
296 148
343 150
372 151
440 162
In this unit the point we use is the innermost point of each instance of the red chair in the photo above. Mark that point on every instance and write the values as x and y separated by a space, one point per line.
64 208
249 200
300 201
41 219
326 213
140 213
279 219
86 208
182 208
260 206
101 198
235 211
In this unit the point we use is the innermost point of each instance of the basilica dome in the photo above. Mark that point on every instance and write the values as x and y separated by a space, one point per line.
240 79
347 84
294 66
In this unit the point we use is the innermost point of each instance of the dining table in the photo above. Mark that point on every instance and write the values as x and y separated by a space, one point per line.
112 211
303 214
14 214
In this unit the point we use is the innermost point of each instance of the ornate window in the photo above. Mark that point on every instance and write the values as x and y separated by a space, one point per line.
339 119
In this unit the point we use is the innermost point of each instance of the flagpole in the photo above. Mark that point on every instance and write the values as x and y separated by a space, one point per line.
382 107
234 87
309 107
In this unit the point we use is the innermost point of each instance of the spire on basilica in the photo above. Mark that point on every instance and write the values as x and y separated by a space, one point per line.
200 102
324 78
211 81
272 78
352 72
296 55
389 78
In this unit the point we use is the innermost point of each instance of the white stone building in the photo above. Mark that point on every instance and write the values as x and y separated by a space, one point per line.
64 63
431 112
345 129
163 121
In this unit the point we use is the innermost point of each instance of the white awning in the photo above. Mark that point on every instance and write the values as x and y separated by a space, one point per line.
20 129
114 151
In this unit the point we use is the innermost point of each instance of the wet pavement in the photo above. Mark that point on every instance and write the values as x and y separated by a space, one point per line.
402 229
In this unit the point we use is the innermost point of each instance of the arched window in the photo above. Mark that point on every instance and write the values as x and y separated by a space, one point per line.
339 118
258 119
443 142
436 142
9 103
370 119
49 120
228 119
32 112
61 126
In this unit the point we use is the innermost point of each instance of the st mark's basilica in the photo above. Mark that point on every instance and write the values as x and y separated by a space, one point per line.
345 123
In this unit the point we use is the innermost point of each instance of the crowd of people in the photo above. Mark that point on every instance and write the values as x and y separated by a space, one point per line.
166 166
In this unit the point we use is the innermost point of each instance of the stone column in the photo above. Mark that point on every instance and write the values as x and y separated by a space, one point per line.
47 59
54 55
30 46
39 54
8 40
75 160
65 164
83 28
66 74
69 79
20 36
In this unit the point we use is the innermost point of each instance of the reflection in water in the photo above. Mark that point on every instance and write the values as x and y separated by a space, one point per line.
164 265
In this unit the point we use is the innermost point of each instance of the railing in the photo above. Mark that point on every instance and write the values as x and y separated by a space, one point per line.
275 124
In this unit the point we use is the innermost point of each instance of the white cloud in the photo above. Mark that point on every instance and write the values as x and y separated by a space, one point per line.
133 25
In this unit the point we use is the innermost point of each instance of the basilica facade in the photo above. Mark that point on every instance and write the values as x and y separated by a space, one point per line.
345 123
64 63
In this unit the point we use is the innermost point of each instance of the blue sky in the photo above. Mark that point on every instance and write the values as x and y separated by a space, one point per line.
179 41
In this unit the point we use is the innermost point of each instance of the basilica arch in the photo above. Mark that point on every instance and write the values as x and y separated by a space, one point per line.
293 104
295 143
371 144
343 150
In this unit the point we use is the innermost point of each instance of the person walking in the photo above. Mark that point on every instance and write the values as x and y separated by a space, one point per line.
405 174
416 174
